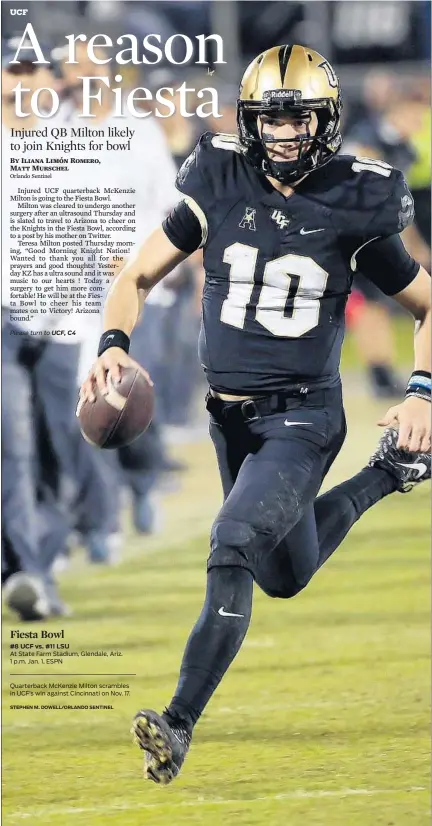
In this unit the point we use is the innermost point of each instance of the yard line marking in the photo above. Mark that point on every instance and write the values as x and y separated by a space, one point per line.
300 794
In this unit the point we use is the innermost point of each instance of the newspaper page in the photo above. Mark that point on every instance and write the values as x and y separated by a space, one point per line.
117 635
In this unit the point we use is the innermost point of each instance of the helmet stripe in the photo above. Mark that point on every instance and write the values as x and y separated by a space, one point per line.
284 56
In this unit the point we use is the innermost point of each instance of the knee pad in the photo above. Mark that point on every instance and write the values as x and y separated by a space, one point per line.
232 543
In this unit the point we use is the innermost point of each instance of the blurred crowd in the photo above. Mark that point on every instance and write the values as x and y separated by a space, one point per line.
58 491
392 124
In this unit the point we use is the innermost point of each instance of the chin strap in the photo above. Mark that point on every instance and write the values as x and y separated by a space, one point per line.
285 171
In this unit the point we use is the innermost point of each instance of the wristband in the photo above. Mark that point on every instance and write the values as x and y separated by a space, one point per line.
419 385
113 338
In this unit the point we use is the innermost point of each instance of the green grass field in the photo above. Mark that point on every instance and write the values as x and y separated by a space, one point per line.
322 719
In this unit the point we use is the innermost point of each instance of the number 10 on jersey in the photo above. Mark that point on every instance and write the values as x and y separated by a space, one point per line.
289 299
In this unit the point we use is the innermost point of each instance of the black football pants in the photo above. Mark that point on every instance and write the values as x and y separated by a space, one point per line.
271 527
272 469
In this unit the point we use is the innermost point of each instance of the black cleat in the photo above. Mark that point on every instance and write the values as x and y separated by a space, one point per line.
408 469
165 743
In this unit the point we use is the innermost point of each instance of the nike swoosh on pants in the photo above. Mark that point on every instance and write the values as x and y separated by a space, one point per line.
224 613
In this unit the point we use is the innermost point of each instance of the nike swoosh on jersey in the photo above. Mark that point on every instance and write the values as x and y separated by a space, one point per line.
224 613
304 231
420 467
291 424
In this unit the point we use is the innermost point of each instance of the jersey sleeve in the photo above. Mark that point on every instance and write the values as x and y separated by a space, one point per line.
194 182
368 199
386 263
381 255
394 210
183 229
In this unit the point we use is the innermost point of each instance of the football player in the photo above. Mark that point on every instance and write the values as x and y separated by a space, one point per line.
284 222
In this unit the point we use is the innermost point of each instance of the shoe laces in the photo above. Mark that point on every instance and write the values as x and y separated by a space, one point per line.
182 735
385 446
179 727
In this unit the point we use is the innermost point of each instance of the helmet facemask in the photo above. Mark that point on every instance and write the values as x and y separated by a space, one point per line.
313 150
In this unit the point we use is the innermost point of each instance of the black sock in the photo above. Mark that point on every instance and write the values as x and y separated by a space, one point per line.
214 641
337 510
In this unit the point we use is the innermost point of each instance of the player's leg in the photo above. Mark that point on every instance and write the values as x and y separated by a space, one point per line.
390 469
229 588
273 492
325 524
320 531
287 569
230 585
340 508
232 443
278 479
269 475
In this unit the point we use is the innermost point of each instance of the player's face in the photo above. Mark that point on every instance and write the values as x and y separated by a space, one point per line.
286 127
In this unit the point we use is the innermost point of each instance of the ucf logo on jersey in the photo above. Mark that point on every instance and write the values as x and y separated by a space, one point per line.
279 218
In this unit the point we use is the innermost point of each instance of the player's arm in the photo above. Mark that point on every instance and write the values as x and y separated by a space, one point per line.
155 259
416 246
180 234
411 236
413 415
178 237
416 298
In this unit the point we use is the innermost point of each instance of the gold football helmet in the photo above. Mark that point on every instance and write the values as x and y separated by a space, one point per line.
290 79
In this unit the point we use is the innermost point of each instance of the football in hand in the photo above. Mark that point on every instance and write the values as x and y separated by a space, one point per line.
123 414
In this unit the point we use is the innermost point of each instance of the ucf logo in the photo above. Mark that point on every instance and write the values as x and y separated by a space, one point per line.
279 218
248 220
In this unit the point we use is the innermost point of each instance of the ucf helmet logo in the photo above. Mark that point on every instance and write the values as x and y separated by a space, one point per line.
248 220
